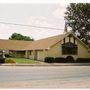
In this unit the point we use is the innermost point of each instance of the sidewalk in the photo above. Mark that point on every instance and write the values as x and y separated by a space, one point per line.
48 64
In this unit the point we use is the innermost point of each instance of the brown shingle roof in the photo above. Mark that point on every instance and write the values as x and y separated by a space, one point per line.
44 43
13 44
30 45
48 42
33 45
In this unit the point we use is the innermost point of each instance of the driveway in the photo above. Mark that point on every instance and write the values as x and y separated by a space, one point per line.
45 77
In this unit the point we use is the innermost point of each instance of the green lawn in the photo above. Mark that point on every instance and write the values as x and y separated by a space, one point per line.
24 60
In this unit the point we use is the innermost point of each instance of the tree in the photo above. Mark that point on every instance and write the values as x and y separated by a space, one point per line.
78 18
17 36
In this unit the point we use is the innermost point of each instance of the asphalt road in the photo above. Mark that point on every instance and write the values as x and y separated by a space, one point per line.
45 77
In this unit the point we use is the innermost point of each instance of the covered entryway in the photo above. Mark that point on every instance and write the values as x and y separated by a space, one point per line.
40 55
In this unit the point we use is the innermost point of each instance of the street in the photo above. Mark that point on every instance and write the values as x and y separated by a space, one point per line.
45 77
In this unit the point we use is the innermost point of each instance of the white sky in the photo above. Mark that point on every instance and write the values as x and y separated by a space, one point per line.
37 14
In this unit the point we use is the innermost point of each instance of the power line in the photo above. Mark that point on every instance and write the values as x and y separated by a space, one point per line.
30 26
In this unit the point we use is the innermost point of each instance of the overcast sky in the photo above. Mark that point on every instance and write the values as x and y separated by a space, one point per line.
36 14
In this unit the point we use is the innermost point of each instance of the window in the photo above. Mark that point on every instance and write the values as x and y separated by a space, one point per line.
69 48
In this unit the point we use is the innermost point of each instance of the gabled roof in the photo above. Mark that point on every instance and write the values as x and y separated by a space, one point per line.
49 42
34 45
44 43
80 40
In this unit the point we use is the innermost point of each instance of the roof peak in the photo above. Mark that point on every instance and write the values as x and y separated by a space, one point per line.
65 28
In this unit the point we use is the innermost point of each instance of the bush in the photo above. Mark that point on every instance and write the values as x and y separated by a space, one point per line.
10 61
70 59
60 60
7 55
49 59
83 60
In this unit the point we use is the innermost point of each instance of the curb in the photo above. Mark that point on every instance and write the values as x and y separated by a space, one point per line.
60 64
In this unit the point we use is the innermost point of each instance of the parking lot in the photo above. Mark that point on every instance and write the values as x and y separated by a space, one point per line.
45 77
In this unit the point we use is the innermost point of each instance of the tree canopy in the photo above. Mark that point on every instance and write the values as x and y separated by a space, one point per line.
78 18
17 36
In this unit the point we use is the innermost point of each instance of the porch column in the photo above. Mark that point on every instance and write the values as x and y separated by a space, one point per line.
44 54
33 54
26 54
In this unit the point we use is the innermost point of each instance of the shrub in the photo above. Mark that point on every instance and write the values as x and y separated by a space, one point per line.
10 61
83 60
60 60
49 59
7 55
70 59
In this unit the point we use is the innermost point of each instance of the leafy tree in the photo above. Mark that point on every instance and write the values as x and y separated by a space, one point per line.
17 36
78 18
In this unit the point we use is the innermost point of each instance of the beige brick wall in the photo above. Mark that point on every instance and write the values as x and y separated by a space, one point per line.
56 51
82 51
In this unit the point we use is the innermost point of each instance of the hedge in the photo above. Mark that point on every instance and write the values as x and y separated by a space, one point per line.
55 60
60 60
49 59
70 59
83 60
